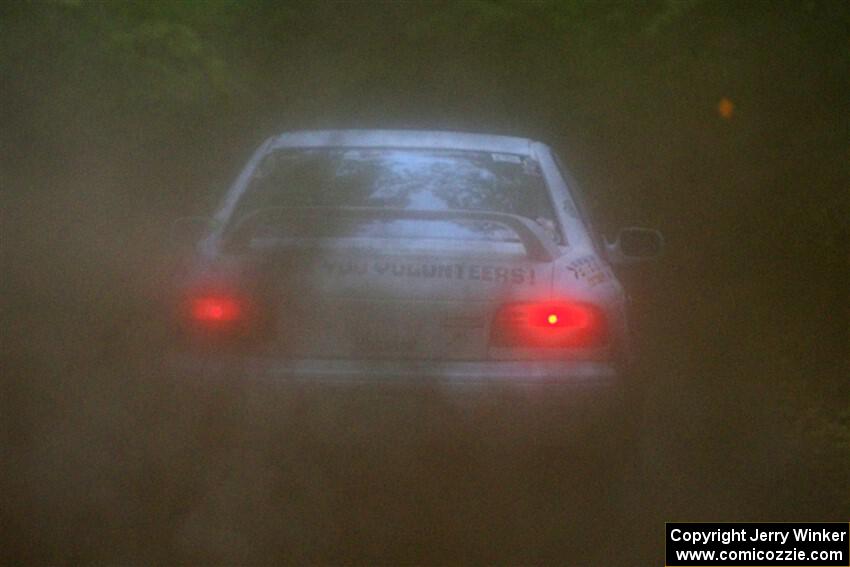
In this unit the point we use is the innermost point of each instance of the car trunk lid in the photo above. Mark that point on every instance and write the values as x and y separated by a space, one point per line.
362 299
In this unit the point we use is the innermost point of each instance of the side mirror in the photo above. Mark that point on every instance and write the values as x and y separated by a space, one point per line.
635 245
187 231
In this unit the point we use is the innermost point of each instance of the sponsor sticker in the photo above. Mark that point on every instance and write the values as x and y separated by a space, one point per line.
507 158
588 268
436 270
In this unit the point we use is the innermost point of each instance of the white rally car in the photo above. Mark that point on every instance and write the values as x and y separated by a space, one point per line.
407 256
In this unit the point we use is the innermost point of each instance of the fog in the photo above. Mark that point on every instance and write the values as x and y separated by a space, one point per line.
118 119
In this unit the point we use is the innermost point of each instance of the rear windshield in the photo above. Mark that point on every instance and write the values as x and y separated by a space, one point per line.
405 179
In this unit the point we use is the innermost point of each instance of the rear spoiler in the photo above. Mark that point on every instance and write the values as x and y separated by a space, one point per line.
538 245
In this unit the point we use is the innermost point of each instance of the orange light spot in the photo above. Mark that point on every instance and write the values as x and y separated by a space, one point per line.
552 319
725 108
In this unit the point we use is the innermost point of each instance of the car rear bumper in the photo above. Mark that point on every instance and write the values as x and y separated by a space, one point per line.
525 402
581 374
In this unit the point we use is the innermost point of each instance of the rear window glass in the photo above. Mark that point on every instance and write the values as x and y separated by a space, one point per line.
405 179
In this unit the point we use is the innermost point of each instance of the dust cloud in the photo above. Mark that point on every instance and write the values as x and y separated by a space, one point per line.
111 456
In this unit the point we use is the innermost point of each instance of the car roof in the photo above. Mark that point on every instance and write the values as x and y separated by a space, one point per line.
404 139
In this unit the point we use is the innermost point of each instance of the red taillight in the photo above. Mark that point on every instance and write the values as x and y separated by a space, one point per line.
216 313
216 309
560 324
